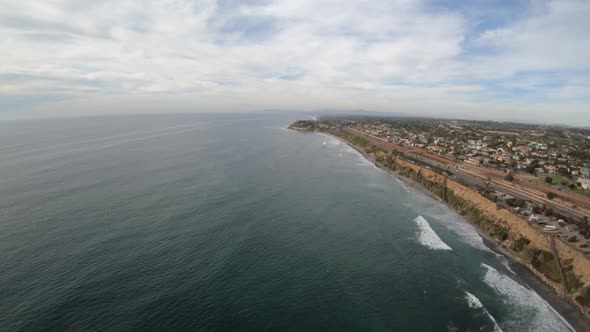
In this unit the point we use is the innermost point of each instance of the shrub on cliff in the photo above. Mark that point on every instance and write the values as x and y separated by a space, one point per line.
544 262
573 282
520 243
584 297
501 233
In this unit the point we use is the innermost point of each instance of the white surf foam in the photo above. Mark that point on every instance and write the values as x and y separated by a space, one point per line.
402 184
330 139
529 311
474 303
428 237
449 218
505 263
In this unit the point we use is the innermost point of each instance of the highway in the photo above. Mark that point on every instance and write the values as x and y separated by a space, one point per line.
473 179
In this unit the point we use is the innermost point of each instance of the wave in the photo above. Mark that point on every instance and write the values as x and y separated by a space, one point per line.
505 262
330 139
449 219
525 304
428 237
402 184
474 303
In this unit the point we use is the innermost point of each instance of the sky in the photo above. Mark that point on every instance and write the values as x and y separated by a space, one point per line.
511 60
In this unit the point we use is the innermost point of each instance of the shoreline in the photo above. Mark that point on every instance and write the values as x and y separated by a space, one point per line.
567 310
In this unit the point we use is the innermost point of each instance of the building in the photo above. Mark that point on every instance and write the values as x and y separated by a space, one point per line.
585 183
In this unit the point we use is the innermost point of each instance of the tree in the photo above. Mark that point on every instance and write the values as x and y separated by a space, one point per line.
532 166
549 211
509 177
572 186
519 202
551 195
549 179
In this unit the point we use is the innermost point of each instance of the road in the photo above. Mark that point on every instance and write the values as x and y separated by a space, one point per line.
470 177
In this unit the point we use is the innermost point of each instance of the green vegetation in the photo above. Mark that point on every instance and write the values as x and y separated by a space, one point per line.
351 138
545 263
573 283
500 232
306 125
515 202
584 297
520 243
561 181
551 195
374 149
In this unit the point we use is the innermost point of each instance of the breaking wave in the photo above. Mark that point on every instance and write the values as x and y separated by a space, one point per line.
538 314
402 184
428 237
449 219
474 303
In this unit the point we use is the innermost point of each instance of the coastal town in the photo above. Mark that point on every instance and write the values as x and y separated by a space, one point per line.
549 166
527 186
562 153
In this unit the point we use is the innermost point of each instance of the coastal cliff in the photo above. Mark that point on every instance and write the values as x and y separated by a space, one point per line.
561 267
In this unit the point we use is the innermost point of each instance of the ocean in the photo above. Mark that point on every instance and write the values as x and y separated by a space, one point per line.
233 223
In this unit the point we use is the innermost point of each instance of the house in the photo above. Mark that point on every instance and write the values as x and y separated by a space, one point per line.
585 183
551 169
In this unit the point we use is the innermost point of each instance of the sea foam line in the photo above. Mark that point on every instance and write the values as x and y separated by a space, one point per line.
525 302
475 303
428 236
449 219
402 184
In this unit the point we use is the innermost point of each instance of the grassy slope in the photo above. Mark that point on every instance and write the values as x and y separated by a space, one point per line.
557 183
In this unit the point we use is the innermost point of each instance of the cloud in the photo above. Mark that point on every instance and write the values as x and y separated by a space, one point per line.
429 57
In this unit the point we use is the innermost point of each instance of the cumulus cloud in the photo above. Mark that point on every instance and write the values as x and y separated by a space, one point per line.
423 57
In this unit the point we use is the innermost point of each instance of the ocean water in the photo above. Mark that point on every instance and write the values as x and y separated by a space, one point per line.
233 222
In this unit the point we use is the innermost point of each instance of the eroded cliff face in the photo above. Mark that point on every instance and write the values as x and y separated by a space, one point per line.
530 245
562 267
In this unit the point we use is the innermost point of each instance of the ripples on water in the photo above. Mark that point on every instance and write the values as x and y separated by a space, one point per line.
232 223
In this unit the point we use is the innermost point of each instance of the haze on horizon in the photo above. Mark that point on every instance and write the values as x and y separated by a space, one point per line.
498 60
